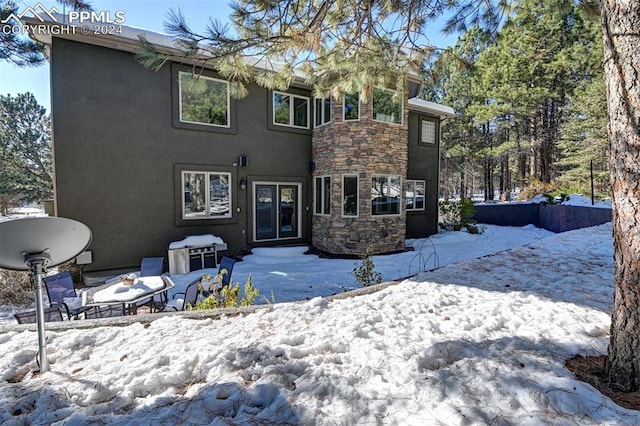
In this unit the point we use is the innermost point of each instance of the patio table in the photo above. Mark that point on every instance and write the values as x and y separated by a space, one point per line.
116 293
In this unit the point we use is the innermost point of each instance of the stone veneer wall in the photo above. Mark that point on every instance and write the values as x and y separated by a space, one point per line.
365 148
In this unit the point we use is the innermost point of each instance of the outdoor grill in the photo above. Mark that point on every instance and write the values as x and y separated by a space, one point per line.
193 253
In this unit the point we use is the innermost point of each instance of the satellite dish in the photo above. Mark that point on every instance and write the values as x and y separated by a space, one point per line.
34 244
62 239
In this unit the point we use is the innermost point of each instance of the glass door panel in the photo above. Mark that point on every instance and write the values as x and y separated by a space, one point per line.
288 211
266 212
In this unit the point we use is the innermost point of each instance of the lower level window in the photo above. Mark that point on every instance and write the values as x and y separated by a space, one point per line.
415 194
350 195
386 192
322 190
207 195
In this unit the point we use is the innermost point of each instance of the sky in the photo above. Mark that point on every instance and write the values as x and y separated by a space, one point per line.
147 14
482 340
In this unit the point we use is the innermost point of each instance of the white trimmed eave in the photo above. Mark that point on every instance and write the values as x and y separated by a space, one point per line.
127 40
432 108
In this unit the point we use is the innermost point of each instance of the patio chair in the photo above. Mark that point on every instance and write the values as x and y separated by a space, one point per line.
226 264
224 271
190 297
60 287
51 314
150 267
106 312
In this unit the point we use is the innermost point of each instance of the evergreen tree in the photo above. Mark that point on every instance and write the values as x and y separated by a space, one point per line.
16 47
339 46
25 151
620 23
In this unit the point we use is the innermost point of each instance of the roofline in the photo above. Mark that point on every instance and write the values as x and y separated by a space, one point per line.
128 41
433 108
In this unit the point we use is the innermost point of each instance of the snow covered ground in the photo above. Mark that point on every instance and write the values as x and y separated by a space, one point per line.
478 341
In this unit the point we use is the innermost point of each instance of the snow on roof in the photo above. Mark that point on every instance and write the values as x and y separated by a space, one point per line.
421 105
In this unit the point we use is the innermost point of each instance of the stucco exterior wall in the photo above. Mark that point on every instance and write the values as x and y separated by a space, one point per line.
116 155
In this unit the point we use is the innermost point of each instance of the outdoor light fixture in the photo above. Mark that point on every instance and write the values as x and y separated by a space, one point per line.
243 183
242 161
311 166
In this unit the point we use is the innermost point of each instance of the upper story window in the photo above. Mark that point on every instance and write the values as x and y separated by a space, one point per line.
290 110
203 100
428 132
414 194
322 188
351 107
206 195
386 107
322 111
386 191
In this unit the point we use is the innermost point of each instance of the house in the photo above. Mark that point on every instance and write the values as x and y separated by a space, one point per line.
148 157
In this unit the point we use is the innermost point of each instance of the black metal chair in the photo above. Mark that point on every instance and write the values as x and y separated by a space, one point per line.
149 267
226 264
59 287
223 277
106 312
51 314
191 294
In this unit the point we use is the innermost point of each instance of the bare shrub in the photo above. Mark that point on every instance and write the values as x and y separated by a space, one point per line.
16 288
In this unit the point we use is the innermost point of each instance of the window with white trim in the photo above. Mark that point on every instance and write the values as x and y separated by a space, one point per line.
388 106
322 111
351 107
386 192
206 195
350 195
290 110
414 194
203 100
428 132
322 191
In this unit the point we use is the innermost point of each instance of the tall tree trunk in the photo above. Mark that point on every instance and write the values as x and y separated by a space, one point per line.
535 149
546 141
620 22
445 175
505 181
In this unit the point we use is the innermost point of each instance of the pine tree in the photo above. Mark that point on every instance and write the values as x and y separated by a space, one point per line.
25 151
17 48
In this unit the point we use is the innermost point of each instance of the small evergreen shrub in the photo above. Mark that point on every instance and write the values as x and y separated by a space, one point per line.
365 273
458 215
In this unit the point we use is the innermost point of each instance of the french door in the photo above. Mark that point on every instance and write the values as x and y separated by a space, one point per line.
276 211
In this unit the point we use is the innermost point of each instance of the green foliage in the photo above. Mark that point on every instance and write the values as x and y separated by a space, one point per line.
223 296
203 100
457 215
365 273
25 151
18 48
534 188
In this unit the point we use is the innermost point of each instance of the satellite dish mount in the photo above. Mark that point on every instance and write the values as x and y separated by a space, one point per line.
34 244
